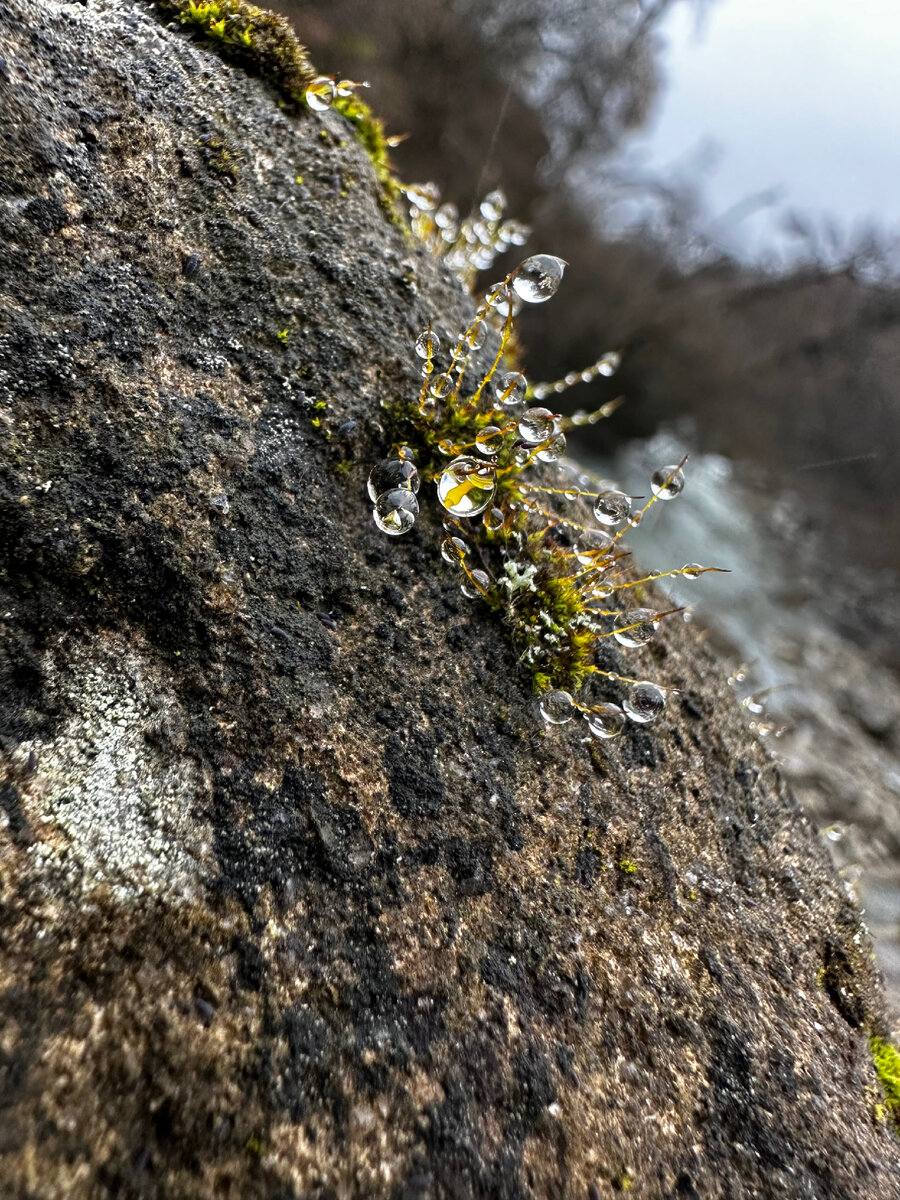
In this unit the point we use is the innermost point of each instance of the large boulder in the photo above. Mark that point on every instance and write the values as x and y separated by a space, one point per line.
297 897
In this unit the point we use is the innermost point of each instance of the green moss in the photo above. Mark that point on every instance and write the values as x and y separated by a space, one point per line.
627 866
260 40
887 1065
266 44
370 133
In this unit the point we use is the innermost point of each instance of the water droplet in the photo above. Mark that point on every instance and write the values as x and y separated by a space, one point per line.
521 457
424 196
644 630
536 425
591 545
453 550
489 441
667 482
609 364
557 707
447 447
474 587
612 508
501 299
447 217
393 473
407 454
692 570
554 449
493 518
395 512
493 205
644 703
467 486
441 386
346 87
605 721
427 344
514 233
510 388
538 278
320 93
473 339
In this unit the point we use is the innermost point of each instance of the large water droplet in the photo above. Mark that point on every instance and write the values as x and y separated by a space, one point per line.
605 721
692 570
644 703
392 473
320 93
467 486
395 512
427 344
557 707
644 630
536 425
538 278
667 482
612 508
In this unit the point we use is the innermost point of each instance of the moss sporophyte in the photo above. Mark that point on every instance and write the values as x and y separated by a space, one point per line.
561 585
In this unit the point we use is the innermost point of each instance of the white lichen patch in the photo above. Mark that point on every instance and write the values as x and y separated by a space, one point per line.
112 799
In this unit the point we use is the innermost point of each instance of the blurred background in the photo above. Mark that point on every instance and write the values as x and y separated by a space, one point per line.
723 177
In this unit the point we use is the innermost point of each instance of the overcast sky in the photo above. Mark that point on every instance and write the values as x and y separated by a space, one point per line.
803 95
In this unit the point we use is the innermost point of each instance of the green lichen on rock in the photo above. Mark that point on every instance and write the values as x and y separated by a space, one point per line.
887 1064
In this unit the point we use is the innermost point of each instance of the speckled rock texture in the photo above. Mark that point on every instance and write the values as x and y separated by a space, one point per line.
297 897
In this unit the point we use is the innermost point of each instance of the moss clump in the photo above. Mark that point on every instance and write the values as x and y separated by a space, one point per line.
887 1065
259 40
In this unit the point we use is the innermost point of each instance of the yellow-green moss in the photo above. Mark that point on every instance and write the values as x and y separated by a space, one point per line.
627 866
260 40
887 1066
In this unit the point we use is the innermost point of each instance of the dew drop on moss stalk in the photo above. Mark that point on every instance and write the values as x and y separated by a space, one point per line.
538 278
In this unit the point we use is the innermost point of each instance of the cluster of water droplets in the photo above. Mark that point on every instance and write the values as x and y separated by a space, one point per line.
467 244
392 486
559 580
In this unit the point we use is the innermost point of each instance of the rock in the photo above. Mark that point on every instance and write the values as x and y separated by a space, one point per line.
299 907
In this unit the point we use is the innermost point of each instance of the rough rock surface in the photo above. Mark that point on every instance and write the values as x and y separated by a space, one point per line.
297 899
